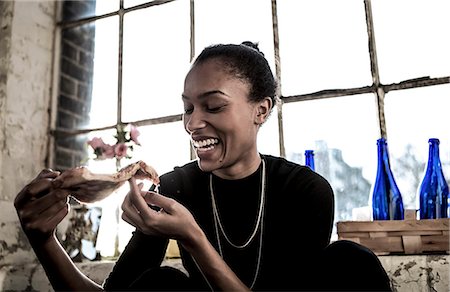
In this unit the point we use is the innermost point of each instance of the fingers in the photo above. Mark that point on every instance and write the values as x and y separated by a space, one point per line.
45 213
129 208
35 207
161 201
136 211
48 219
136 196
38 187
48 173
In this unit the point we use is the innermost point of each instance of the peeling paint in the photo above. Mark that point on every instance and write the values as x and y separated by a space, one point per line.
418 272
410 265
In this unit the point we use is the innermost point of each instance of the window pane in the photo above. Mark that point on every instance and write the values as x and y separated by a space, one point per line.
70 151
131 3
412 117
104 89
412 39
164 146
323 44
73 10
102 165
155 60
106 6
110 206
268 137
234 21
343 133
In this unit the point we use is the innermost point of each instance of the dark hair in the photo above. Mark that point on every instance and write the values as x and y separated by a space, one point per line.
246 62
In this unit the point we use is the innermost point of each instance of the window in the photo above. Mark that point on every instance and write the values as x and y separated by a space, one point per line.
349 73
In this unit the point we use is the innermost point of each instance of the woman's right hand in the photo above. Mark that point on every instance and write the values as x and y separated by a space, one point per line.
41 207
173 220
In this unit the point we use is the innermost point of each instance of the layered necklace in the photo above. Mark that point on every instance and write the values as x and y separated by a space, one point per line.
259 222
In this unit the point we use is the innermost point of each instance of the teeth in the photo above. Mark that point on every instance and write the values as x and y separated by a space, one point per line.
206 142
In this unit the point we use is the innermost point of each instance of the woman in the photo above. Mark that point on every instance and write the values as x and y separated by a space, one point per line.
242 220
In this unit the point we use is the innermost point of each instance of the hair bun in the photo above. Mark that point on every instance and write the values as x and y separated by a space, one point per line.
252 45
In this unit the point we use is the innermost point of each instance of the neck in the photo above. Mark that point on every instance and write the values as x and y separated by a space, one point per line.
240 170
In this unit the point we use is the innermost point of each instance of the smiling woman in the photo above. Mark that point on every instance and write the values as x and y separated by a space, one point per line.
330 96
225 105
209 97
228 94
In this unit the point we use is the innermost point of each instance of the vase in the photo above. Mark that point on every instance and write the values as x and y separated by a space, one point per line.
309 159
433 191
387 202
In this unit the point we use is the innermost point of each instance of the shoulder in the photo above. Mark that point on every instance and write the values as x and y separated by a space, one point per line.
293 175
190 167
281 164
281 167
173 181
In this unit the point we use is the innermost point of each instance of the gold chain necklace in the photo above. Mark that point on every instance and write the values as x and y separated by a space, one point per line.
258 225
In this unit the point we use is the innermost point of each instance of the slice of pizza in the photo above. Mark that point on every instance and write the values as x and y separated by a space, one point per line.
88 187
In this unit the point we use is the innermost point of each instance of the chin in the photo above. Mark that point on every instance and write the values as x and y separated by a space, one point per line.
208 166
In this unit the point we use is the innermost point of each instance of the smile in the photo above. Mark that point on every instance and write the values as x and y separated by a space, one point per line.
206 144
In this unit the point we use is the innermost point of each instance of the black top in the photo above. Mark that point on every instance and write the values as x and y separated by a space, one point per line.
298 218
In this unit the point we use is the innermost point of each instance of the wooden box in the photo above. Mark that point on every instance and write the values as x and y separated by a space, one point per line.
407 236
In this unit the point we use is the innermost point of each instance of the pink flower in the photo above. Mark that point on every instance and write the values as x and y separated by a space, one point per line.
96 143
121 150
108 151
134 134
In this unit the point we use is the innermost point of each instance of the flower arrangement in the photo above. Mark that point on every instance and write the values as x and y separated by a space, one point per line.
126 138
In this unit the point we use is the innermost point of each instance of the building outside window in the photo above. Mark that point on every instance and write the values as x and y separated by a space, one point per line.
349 72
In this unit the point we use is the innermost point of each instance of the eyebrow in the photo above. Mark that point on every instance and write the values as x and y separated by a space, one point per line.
206 94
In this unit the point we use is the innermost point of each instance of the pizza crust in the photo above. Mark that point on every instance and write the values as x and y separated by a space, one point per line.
88 187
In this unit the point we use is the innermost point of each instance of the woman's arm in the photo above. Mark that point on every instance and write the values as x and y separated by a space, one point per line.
40 209
175 221
60 269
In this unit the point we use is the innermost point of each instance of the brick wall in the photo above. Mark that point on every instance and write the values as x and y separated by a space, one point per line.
75 84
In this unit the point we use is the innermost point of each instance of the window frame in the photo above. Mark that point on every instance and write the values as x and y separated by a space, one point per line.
377 88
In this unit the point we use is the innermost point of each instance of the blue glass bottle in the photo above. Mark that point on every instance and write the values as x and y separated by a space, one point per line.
309 159
433 192
387 202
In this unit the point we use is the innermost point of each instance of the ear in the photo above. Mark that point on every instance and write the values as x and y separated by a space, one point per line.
262 110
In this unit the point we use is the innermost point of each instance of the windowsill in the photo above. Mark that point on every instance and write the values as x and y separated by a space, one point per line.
407 273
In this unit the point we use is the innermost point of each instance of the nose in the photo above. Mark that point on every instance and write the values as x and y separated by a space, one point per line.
194 121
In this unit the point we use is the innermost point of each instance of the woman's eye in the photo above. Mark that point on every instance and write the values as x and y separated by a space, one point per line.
215 109
188 110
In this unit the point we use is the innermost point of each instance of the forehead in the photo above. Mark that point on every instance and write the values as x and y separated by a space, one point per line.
212 75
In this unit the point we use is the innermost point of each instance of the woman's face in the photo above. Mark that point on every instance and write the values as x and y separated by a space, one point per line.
219 117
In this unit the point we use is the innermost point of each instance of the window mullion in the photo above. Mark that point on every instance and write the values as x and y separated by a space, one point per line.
279 103
120 68
378 89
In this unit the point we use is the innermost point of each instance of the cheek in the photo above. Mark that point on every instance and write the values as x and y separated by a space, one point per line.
243 130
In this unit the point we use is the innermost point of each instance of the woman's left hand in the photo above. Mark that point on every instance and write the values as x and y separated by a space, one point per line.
173 220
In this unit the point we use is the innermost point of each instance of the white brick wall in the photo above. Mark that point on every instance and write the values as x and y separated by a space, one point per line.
27 30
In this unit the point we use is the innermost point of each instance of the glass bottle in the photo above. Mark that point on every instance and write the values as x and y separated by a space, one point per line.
309 159
387 203
433 192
